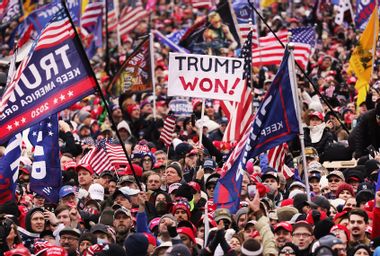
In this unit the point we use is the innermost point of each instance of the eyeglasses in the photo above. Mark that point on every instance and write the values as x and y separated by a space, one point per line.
301 234
287 252
147 160
210 187
334 180
69 238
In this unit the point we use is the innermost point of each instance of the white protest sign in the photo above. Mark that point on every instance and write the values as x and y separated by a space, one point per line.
204 76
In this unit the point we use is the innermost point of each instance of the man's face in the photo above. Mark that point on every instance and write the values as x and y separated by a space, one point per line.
153 182
186 241
123 201
181 214
161 158
84 177
334 182
38 201
244 185
281 237
65 159
172 176
37 222
340 249
69 199
302 238
69 242
242 221
112 187
147 163
350 203
315 186
122 223
64 218
354 184
210 190
272 183
191 160
357 226
84 245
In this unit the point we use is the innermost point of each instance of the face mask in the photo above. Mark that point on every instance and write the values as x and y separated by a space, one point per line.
102 241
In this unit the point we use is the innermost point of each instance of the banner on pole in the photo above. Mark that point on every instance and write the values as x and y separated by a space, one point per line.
205 76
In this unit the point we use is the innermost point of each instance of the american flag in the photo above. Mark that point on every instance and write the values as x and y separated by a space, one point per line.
168 130
105 156
56 32
197 4
91 13
271 52
276 160
240 114
130 18
113 14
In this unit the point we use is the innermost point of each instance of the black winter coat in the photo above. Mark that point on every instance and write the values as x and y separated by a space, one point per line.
367 133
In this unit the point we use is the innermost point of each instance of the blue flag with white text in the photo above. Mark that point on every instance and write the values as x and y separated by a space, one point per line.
46 170
55 74
275 123
9 167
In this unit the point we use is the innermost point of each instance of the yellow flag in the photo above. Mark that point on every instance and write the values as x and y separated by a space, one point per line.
362 58
266 3
361 61
362 88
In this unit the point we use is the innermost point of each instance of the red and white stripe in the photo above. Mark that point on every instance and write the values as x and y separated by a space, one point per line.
168 130
197 4
244 29
270 51
240 115
91 14
55 33
130 18
276 160
101 160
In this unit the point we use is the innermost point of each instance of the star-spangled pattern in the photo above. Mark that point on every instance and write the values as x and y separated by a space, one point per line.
246 54
304 35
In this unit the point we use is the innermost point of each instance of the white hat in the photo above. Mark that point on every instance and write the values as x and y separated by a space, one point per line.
129 191
125 125
96 192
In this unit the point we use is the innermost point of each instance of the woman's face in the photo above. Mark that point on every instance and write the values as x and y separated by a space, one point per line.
12 235
235 243
314 121
361 252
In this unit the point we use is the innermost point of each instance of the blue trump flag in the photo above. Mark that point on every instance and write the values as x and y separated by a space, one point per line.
46 170
9 167
275 122
54 75
96 39
42 16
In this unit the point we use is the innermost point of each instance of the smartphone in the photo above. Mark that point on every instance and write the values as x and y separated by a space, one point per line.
251 191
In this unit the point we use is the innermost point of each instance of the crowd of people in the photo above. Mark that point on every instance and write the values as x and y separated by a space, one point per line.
162 204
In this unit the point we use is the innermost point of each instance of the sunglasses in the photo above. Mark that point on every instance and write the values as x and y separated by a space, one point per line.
334 180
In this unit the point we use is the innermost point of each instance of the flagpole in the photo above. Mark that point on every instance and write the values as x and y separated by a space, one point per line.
303 71
83 53
293 82
151 49
202 120
106 57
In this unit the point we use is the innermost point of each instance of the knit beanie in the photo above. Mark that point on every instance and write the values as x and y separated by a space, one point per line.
251 247
176 166
345 186
240 212
136 244
88 237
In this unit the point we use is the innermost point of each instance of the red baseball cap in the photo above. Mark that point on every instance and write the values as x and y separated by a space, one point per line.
87 167
317 114
151 239
195 186
285 225
68 165
138 170
187 231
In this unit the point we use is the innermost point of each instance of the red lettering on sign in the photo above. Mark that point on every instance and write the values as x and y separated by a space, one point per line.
237 81
189 84
202 85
